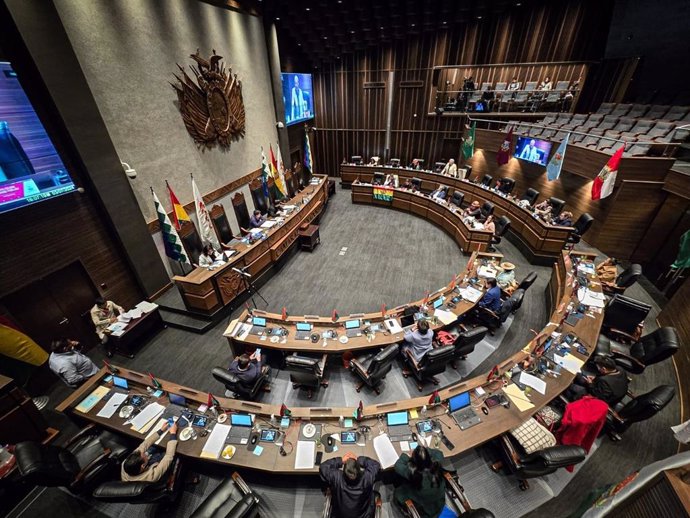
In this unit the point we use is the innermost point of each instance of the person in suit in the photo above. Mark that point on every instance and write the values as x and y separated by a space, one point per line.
68 363
418 340
147 463
564 219
208 256
488 99
247 369
610 384
440 193
530 152
422 481
297 101
416 164
104 313
351 480
450 169
257 219
492 298
472 211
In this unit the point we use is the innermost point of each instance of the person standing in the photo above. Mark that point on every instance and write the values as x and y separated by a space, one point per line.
352 485
423 483
297 101
69 364
104 313
450 169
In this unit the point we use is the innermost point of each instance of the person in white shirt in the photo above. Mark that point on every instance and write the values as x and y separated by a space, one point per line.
208 256
69 364
391 180
529 152
451 169
104 313
546 84
297 102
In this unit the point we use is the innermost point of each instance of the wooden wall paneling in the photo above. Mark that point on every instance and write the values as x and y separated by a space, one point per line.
669 214
678 183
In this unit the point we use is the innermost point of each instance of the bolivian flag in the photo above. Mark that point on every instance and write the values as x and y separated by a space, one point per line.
178 212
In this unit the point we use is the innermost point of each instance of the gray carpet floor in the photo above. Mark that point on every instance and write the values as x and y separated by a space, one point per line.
391 258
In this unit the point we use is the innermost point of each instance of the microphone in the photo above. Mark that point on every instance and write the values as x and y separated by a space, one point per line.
241 272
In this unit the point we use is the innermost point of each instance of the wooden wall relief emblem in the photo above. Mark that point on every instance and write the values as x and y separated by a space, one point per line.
211 103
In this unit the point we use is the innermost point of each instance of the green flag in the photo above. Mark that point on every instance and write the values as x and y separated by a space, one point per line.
683 258
468 145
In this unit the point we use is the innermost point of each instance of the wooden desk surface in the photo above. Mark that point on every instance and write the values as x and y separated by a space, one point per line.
500 420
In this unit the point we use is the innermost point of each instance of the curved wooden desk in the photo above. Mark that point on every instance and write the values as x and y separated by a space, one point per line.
540 242
498 421
206 291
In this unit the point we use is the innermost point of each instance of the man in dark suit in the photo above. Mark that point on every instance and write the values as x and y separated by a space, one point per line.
352 484
609 385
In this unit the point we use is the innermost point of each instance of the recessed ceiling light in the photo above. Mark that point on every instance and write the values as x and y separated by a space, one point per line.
381 27
479 17
325 37
445 23
277 19
352 32
299 44
308 9
413 25
518 4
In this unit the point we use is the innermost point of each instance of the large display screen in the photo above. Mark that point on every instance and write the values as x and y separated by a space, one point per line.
30 168
297 97
533 150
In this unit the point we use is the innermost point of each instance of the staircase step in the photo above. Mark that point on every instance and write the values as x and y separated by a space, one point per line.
187 322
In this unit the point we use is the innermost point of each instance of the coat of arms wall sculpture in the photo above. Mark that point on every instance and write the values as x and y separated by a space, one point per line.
212 107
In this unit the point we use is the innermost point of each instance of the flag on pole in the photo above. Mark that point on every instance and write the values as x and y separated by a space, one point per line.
212 402
273 170
308 158
503 155
468 145
553 169
606 179
280 181
171 241
155 382
284 313
383 310
334 316
265 172
178 212
435 398
206 232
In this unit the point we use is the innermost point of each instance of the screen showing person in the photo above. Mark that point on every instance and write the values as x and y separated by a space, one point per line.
297 97
30 168
533 150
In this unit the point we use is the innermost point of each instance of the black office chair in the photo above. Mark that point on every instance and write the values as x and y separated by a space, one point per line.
166 490
528 281
328 505
306 372
537 464
652 348
639 408
557 206
417 183
492 320
626 279
623 318
487 179
530 195
235 388
378 179
487 210
457 198
507 185
502 226
518 296
582 225
231 499
465 343
432 363
89 457
374 368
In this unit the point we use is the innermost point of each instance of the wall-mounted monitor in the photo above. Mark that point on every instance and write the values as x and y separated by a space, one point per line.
533 150
298 97
30 168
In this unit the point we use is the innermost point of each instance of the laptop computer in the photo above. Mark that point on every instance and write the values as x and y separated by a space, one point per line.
439 303
352 328
399 426
303 331
178 404
241 429
258 326
460 409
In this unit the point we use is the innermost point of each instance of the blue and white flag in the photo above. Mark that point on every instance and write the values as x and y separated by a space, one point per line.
553 169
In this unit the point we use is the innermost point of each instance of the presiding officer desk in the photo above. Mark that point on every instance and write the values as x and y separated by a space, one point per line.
539 241
499 420
206 291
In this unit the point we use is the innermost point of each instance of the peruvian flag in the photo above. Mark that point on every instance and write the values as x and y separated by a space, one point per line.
606 179
503 154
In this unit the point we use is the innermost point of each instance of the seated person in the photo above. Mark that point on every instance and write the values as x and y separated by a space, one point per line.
147 463
351 481
609 385
375 181
489 225
257 219
488 98
208 256
418 340
390 180
564 219
416 164
407 185
473 210
492 298
424 483
70 364
104 313
543 209
506 279
374 160
607 271
450 169
247 369
440 193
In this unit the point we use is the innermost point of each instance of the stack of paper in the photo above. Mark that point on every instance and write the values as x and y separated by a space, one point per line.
215 442
570 362
146 306
486 271
385 451
304 456
517 397
446 317
591 298
471 294
393 326
145 419
117 329
532 381
112 405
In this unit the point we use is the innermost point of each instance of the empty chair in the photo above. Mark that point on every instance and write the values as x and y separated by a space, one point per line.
417 183
530 195
638 150
465 343
638 111
486 210
378 178
306 372
562 119
624 124
608 122
621 109
522 95
582 225
487 179
493 320
501 86
589 140
556 205
592 121
652 348
676 113
623 316
606 108
527 282
507 185
626 279
457 198
432 363
548 120
548 133
657 111
374 368
502 226
660 130
231 499
640 408
605 143
235 388
641 127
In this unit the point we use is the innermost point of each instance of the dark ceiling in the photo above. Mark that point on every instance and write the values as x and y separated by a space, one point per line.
311 32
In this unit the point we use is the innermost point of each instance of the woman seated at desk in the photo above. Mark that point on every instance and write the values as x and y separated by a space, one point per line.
391 180
409 186
209 256
257 219
489 225
506 279
543 210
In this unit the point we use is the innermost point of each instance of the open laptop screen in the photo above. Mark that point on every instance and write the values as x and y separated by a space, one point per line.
459 401
395 418
241 420
303 326
176 399
259 321
352 324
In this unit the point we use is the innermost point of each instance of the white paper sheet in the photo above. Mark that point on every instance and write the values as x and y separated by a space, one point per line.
146 307
591 298
216 440
112 405
485 271
268 224
471 294
385 451
682 432
446 317
569 363
533 381
148 414
393 326
304 456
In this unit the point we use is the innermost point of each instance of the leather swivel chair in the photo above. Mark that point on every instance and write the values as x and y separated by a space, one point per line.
457 198
623 318
507 185
652 348
378 179
530 195
432 363
527 282
231 499
465 343
417 183
373 369
582 225
487 210
486 180
166 490
502 226
89 457
495 320
306 372
557 206
639 408
518 296
233 386
537 464
626 279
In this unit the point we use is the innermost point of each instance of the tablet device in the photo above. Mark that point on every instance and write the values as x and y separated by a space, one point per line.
199 420
136 400
425 426
120 382
268 435
348 437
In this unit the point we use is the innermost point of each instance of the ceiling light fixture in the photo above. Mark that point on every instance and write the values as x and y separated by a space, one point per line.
307 9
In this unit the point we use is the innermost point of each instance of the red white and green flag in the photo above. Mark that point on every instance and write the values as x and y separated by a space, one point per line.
606 179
